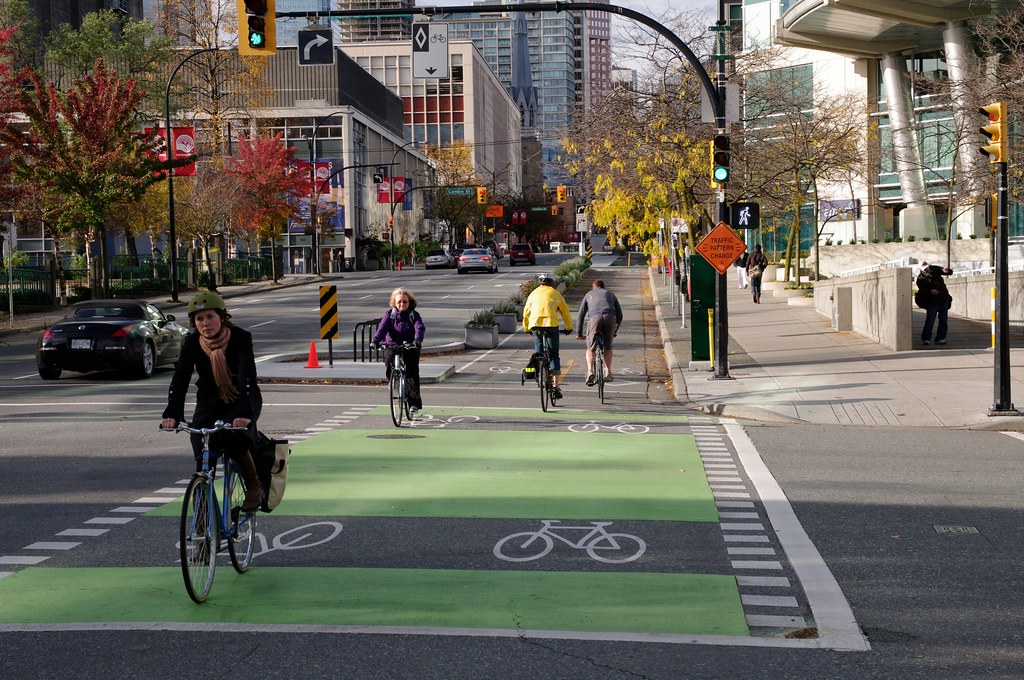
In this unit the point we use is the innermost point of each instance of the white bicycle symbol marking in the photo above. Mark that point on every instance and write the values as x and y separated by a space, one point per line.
438 423
623 428
533 545
502 369
279 542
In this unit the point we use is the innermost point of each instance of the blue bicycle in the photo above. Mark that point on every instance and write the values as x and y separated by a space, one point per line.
204 519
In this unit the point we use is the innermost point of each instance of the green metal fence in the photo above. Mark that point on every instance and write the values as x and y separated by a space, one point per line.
129 277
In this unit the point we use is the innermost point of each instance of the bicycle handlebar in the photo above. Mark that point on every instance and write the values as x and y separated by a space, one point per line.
399 345
217 427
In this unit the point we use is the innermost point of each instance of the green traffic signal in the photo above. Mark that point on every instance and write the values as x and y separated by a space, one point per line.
720 159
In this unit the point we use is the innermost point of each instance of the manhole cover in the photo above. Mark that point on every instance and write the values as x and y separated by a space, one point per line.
395 436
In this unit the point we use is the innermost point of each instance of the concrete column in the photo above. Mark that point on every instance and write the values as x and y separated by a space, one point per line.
918 218
970 219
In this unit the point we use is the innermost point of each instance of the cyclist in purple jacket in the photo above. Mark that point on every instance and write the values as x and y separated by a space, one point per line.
402 323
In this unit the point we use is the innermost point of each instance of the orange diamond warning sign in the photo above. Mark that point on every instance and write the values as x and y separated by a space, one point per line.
721 247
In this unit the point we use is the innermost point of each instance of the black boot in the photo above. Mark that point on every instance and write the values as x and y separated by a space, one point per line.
253 489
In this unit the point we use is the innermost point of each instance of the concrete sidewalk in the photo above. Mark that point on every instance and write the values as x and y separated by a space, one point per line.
786 364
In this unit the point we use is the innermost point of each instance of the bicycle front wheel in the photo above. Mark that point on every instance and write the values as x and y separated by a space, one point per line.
242 529
543 378
396 388
198 538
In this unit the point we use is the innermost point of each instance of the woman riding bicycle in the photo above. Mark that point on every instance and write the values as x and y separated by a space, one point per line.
540 316
222 355
401 324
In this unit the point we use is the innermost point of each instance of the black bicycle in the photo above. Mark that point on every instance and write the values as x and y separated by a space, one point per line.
542 360
204 519
397 386
599 366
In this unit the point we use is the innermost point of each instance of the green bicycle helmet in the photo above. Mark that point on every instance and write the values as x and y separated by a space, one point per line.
208 299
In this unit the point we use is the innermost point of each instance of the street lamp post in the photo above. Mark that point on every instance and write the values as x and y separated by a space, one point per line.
171 234
314 195
391 191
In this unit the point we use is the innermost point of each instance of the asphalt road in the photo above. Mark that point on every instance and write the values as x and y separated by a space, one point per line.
931 598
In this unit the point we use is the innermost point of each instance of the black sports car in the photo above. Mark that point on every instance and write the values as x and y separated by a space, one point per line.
132 336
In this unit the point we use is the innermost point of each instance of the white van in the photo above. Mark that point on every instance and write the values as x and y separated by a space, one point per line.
556 246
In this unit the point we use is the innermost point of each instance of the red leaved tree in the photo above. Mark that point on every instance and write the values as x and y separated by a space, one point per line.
268 189
85 149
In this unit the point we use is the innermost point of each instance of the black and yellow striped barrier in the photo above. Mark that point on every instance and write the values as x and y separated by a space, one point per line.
329 313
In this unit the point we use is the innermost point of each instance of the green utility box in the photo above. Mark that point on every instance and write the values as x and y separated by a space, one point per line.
702 299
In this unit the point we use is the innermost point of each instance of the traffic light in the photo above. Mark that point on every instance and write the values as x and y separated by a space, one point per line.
481 195
554 210
997 148
563 192
720 159
257 31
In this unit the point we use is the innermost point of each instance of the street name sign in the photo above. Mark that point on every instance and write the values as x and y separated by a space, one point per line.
429 50
721 247
316 46
459 191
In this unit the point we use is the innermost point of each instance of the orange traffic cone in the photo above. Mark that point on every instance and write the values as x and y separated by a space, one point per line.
313 362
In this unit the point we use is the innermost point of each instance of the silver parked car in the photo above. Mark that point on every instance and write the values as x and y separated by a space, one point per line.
477 259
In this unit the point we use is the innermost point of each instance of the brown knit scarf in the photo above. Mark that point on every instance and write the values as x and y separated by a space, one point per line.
214 349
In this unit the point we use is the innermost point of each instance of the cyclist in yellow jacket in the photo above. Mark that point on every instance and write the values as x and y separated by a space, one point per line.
541 313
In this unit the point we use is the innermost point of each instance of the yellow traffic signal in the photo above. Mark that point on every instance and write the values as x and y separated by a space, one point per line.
554 210
711 163
257 30
997 149
481 195
563 192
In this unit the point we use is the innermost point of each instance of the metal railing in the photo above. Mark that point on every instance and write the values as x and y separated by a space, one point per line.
362 337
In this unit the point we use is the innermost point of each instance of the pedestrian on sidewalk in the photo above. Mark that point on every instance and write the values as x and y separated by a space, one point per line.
756 264
741 271
221 354
600 314
933 297
401 324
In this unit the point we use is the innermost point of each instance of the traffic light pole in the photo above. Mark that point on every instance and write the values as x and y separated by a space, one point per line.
1002 406
721 329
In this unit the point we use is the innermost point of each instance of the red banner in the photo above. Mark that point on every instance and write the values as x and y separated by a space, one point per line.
323 172
384 190
184 146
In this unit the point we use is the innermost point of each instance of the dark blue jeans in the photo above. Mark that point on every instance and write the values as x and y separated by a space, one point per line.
555 365
932 311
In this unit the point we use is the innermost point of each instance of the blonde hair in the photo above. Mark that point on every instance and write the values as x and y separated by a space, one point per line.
402 291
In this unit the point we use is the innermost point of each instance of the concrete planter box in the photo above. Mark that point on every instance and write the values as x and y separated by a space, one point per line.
801 301
790 292
506 323
482 338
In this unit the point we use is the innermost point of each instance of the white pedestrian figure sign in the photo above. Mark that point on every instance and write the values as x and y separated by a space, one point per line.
746 215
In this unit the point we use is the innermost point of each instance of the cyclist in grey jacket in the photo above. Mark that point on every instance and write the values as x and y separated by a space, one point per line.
599 313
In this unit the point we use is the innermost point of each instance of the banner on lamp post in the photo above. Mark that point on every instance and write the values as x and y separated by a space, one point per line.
184 143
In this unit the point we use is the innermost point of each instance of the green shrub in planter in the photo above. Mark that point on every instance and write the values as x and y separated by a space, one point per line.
506 306
481 319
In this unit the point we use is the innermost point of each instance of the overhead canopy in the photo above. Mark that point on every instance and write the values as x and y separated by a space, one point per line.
871 28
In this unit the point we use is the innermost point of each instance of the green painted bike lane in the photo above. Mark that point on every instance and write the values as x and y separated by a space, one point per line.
447 466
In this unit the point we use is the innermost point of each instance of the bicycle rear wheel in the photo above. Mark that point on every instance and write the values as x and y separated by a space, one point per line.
198 538
543 378
396 389
599 374
242 529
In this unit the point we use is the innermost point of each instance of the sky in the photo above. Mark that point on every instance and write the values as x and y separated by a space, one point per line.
656 9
